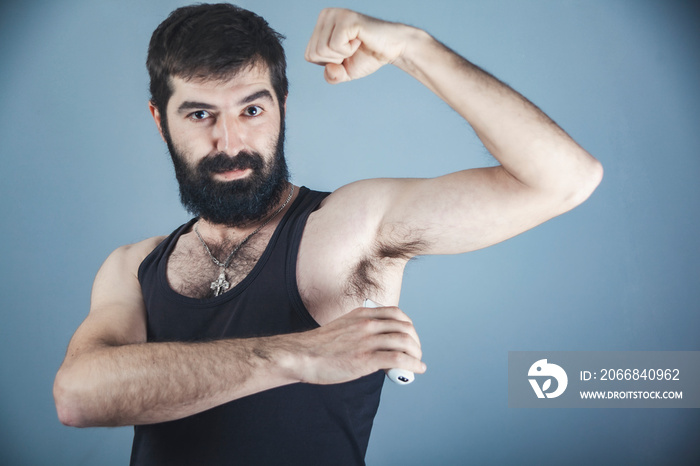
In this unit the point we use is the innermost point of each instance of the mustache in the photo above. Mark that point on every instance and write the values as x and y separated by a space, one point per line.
222 162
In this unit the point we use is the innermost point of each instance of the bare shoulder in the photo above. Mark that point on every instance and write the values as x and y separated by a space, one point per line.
119 271
135 253
116 302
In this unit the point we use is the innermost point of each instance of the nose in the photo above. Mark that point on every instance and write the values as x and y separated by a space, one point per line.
228 135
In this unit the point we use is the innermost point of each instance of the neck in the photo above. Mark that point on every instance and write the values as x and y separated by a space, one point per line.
220 233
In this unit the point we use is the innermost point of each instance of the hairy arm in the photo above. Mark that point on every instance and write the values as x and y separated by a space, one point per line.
112 376
542 171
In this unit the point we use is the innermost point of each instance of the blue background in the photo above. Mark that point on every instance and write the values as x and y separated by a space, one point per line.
84 171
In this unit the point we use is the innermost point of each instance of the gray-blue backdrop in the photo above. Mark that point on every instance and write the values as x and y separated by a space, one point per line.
84 171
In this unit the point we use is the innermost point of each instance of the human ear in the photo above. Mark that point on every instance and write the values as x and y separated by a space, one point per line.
155 113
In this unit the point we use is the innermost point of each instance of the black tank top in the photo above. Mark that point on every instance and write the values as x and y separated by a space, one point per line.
299 424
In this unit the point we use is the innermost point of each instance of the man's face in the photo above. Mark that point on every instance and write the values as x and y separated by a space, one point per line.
226 140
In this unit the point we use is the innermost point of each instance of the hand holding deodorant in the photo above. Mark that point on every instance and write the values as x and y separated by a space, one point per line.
398 376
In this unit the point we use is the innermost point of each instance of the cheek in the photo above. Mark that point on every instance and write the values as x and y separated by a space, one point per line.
188 141
186 135
266 137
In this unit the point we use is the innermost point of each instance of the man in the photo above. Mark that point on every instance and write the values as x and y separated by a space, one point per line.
242 337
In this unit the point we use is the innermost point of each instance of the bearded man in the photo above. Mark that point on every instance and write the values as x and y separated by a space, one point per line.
242 337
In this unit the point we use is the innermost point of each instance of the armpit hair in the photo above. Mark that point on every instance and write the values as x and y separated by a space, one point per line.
365 278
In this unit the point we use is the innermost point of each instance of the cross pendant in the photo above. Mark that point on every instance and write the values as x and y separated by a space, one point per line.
220 283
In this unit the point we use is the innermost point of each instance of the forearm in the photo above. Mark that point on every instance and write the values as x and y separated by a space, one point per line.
157 382
527 143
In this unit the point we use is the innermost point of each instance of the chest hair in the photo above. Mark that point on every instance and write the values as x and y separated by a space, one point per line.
191 271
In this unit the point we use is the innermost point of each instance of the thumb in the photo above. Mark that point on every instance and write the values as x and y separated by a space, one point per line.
335 73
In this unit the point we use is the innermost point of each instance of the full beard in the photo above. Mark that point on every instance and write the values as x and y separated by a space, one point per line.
236 202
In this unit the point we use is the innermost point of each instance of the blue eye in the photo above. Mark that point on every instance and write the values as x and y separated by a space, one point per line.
253 110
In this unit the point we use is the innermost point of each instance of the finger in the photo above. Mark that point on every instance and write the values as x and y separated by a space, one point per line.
320 53
392 312
310 53
313 41
414 334
318 50
343 40
335 73
333 39
404 326
396 360
389 334
398 342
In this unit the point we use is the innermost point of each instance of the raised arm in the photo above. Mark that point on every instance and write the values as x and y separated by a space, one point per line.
542 171
111 376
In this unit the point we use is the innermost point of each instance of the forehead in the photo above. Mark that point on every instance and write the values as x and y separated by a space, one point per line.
222 92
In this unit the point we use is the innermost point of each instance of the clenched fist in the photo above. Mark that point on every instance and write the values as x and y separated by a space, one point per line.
351 45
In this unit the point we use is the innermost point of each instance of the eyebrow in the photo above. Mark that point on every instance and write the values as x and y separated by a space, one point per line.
263 94
192 105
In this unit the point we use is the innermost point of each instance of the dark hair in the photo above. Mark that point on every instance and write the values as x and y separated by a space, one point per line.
207 41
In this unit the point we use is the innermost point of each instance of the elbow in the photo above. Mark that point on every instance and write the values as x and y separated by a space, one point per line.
68 399
67 417
592 178
583 183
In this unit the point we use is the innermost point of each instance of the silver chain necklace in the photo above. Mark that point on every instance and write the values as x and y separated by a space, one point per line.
221 284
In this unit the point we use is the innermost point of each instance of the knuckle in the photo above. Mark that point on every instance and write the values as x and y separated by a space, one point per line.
404 317
366 324
396 359
406 339
406 327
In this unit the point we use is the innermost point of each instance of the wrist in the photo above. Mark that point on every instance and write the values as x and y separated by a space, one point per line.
284 353
415 43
